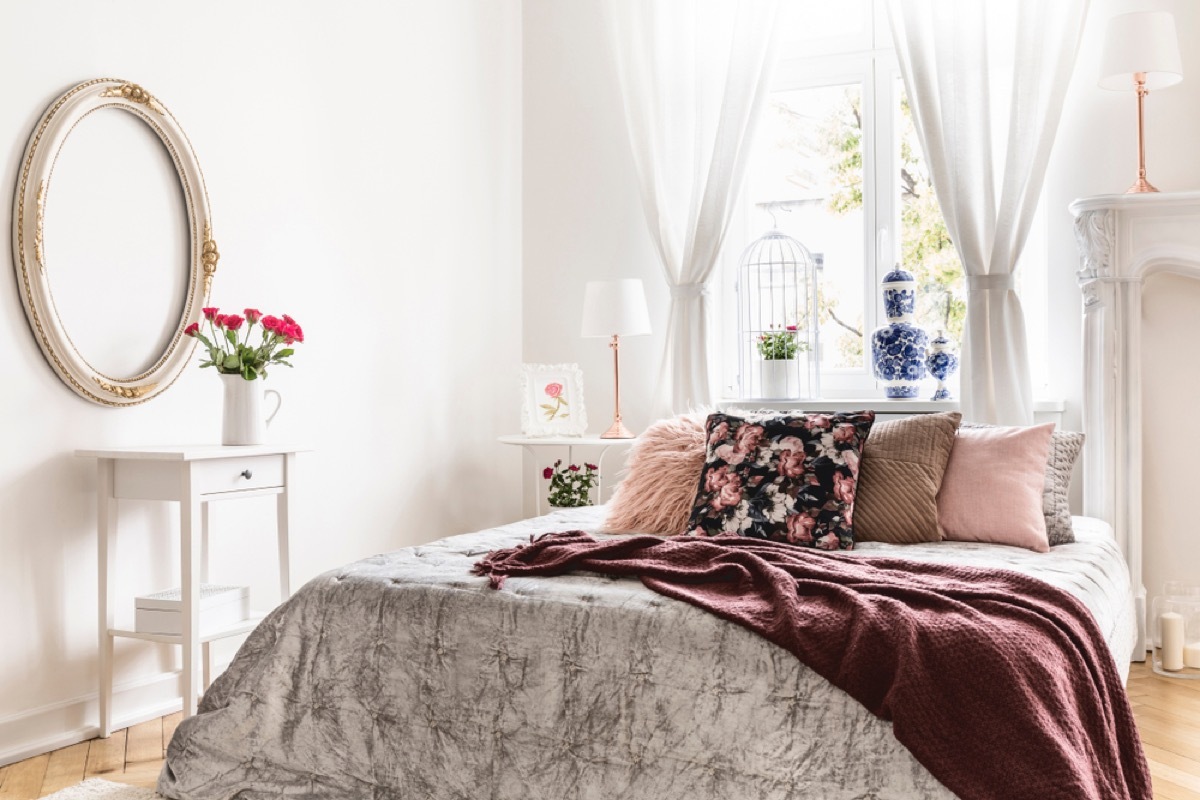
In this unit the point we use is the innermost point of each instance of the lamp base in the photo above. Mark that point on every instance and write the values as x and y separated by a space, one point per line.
618 431
1141 186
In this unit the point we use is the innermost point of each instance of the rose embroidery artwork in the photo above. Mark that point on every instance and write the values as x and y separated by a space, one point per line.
558 408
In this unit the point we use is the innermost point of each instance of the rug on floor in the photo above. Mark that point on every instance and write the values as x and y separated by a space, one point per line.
97 789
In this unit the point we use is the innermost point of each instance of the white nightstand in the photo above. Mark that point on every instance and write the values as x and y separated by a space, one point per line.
192 476
530 443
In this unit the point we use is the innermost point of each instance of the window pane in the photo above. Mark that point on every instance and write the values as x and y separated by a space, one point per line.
807 174
926 248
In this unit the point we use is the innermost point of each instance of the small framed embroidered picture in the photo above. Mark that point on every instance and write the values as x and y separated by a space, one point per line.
552 400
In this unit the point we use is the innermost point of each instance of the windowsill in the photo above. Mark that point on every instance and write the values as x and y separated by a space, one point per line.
879 404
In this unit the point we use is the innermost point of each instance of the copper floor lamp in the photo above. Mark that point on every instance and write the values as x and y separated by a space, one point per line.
615 309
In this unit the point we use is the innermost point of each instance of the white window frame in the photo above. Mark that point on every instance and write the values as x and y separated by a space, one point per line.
869 59
877 71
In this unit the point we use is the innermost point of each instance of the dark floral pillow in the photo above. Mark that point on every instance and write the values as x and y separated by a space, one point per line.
790 479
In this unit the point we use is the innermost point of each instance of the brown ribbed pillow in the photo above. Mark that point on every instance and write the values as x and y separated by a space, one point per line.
901 471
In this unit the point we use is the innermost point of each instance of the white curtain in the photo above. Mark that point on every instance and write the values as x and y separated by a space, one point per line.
986 81
694 75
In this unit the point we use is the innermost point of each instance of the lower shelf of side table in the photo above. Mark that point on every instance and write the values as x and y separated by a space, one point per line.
245 626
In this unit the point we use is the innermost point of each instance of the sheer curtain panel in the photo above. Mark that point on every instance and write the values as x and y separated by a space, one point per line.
694 75
986 80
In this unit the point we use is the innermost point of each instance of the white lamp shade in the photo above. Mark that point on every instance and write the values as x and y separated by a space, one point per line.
615 307
1144 41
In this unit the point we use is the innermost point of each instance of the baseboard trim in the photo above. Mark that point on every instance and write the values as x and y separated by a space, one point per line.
39 730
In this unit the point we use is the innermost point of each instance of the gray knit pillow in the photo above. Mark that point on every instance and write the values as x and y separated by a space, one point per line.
1065 447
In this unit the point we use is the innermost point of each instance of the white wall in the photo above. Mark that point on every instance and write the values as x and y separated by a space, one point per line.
363 163
1096 153
582 215
583 220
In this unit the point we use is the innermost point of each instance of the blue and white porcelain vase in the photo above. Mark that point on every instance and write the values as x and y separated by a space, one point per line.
942 363
898 348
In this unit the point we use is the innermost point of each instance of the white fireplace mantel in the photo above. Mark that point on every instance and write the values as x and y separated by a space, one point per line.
1123 239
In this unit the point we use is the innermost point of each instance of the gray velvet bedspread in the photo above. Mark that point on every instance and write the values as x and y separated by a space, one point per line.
403 676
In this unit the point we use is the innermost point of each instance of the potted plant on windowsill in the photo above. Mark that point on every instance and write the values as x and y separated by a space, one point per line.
779 348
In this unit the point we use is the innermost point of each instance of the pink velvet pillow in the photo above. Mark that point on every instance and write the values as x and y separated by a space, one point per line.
992 488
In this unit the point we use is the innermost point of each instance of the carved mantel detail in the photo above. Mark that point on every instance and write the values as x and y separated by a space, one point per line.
1096 234
1122 240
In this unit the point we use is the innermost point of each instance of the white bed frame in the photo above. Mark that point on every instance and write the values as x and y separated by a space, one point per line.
1123 239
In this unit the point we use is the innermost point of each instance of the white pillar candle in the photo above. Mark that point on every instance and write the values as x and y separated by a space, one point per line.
1171 625
1191 655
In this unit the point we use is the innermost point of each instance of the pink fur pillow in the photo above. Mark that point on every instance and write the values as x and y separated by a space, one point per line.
992 488
664 470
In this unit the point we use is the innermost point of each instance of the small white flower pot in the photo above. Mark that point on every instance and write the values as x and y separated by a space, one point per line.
243 422
778 378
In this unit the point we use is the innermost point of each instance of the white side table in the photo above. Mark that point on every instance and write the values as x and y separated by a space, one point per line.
531 443
192 476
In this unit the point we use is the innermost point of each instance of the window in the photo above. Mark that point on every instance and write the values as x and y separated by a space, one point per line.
837 164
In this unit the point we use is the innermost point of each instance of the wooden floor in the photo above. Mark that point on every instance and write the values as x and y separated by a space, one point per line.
134 756
1167 711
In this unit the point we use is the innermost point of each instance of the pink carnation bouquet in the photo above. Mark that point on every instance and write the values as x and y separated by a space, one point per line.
229 344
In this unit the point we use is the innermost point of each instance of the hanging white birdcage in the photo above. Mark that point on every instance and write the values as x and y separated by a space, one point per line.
778 345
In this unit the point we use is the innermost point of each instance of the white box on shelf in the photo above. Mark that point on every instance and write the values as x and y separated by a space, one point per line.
220 607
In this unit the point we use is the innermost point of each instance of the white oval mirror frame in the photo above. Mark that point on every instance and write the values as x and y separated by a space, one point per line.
29 249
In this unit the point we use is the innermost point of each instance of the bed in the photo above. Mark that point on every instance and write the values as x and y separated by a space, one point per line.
403 675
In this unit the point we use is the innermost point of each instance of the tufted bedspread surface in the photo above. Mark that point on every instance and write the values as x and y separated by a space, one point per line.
403 676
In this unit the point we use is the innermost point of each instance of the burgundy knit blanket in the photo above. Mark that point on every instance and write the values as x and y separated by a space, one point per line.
999 684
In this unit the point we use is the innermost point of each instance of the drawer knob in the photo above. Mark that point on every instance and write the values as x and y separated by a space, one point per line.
247 474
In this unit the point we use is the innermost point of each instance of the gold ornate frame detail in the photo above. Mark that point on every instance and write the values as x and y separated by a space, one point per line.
29 249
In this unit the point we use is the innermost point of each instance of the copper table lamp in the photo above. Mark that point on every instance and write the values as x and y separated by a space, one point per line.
1141 52
615 309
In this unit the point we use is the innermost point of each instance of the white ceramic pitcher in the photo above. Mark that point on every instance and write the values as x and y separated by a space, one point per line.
244 422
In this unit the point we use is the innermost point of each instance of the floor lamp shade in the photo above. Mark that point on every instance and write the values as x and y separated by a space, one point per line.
615 309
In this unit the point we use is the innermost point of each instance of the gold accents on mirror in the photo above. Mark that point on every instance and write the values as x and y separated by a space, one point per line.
29 247
209 257
134 94
38 246
131 392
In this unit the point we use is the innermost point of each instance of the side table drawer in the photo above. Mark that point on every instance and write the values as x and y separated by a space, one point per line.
238 474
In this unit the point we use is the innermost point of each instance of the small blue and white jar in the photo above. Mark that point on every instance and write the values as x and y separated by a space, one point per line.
942 363
898 348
